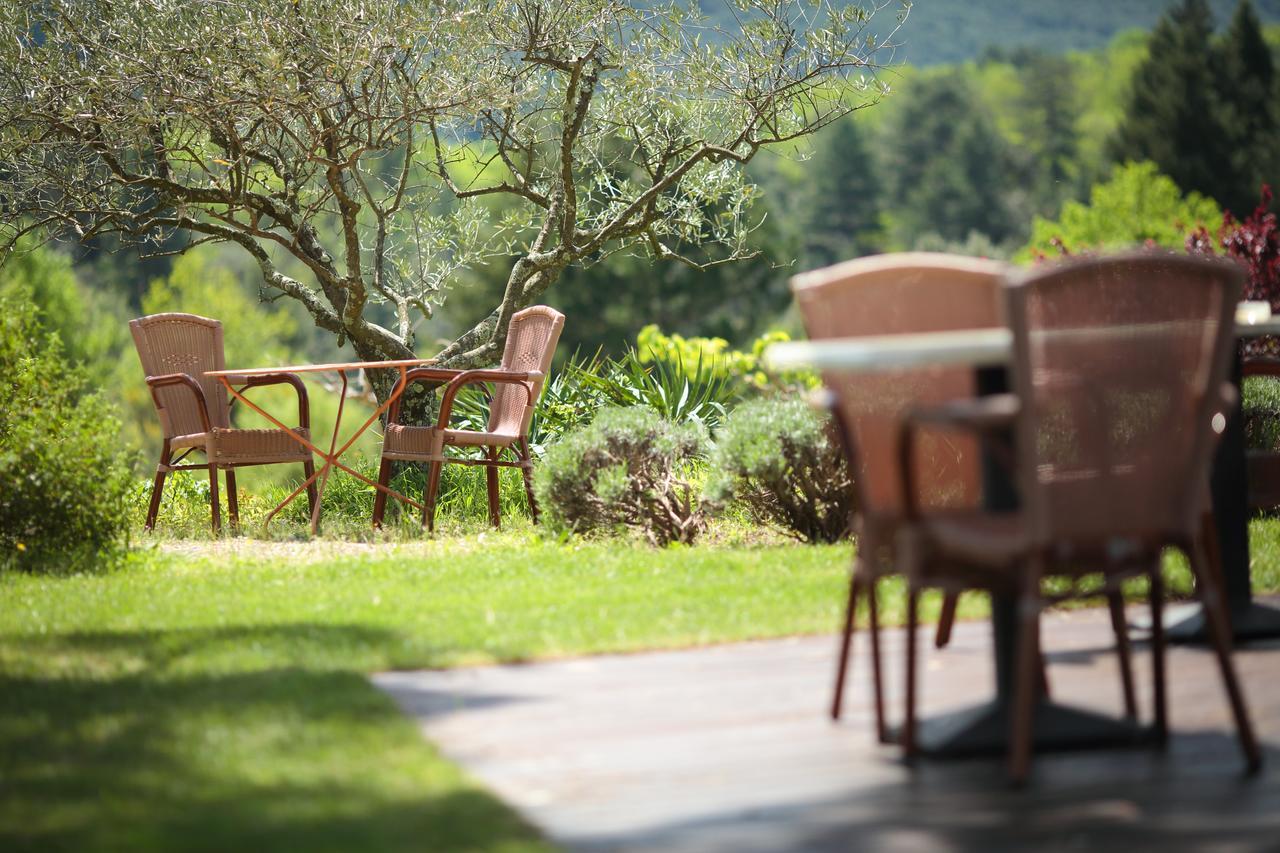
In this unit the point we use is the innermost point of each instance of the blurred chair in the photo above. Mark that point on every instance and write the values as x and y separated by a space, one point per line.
195 414
531 343
1119 373
894 295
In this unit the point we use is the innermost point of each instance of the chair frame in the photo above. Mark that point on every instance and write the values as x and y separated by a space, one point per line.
454 381
1039 560
168 464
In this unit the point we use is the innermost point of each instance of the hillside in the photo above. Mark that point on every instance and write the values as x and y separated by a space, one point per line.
945 31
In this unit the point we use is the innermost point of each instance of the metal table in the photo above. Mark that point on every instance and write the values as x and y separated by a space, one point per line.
331 459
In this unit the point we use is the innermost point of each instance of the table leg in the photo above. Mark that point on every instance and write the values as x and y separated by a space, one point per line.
984 729
331 459
1229 484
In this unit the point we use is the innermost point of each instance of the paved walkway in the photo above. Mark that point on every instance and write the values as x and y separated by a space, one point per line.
728 749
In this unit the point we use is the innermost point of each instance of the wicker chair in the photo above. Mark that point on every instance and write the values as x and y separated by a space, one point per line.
195 414
889 295
1120 369
531 343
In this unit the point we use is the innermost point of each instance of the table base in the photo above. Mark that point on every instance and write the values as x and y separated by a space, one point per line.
1254 621
1184 623
331 458
983 730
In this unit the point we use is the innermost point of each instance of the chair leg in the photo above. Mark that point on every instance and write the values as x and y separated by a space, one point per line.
379 496
909 724
1026 683
846 641
1220 634
526 472
877 677
1157 654
1121 629
157 488
946 619
429 496
313 494
214 509
491 480
233 502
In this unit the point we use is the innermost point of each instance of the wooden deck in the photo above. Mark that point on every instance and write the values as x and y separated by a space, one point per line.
728 749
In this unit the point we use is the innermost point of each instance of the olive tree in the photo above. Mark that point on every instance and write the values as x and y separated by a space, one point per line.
349 145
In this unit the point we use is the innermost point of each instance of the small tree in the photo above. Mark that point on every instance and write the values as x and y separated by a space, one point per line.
349 146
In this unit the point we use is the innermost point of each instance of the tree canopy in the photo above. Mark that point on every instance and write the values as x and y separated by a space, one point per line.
351 147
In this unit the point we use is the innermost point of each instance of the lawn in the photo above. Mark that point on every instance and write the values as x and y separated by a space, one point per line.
212 695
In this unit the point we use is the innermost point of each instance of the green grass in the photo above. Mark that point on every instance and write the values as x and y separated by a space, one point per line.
212 695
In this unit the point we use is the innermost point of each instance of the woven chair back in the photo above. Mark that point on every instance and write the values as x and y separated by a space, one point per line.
1118 363
183 343
531 343
892 295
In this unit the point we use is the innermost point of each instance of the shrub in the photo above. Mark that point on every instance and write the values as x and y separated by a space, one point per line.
695 355
1137 206
63 486
781 459
627 468
674 390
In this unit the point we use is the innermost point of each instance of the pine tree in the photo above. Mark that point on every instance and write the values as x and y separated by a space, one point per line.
1247 111
842 210
1172 119
947 168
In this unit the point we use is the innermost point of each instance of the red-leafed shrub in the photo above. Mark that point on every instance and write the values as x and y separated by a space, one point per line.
1255 244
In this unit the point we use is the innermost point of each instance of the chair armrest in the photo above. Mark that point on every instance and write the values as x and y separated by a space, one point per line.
994 411
304 403
155 383
420 374
472 377
978 414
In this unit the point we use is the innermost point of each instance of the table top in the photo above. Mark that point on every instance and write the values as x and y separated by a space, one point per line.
989 347
320 368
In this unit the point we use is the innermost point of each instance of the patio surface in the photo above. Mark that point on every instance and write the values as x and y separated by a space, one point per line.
728 748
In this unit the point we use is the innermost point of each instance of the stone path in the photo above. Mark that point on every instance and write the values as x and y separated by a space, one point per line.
728 749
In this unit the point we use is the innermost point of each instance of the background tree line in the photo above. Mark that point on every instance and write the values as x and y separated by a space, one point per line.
963 157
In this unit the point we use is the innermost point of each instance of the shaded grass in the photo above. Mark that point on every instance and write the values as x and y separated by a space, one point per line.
212 695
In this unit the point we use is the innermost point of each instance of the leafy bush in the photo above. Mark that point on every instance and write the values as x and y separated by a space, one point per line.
693 355
1138 206
63 487
781 459
669 388
627 468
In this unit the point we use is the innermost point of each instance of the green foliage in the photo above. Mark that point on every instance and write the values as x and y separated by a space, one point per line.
1248 112
84 319
699 355
1203 110
629 468
844 198
949 171
779 458
63 486
1138 205
671 389
1260 402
